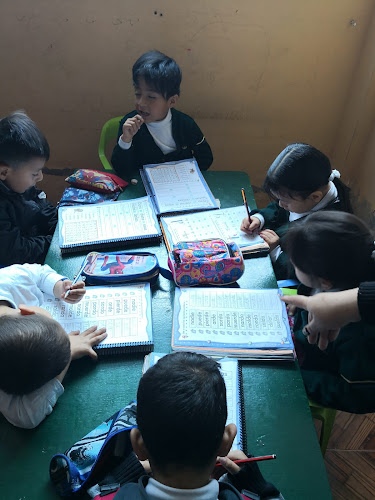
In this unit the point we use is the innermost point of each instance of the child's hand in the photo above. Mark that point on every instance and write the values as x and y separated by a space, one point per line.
270 237
131 127
228 464
76 291
81 344
251 227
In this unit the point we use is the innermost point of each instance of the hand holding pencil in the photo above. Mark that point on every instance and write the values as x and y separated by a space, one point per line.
249 224
232 462
69 291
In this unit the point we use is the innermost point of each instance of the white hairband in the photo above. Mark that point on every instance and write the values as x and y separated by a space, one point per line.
334 173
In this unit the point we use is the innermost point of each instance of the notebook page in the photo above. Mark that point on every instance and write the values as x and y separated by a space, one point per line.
229 371
224 223
121 309
178 187
107 221
231 316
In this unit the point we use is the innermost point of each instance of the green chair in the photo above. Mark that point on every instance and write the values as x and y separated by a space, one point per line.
327 417
109 131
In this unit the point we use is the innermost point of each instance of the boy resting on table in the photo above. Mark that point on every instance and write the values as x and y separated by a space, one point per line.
181 417
27 219
155 132
35 351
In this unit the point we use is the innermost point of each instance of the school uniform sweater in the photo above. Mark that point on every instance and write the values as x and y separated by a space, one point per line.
279 220
342 376
27 224
27 284
148 488
187 136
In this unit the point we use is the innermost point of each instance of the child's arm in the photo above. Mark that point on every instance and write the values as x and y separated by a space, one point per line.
18 249
248 476
252 226
124 160
76 291
29 410
200 147
329 312
270 237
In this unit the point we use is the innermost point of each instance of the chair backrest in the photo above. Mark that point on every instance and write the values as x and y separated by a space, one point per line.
109 131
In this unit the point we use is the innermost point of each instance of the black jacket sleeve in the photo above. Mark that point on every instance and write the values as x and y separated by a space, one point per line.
201 149
366 301
124 160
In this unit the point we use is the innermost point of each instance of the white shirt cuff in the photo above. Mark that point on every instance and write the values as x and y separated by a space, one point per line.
261 218
275 253
124 145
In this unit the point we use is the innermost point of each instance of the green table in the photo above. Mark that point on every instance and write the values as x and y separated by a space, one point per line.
278 418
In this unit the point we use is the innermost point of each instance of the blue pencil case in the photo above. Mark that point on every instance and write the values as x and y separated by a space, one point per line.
120 267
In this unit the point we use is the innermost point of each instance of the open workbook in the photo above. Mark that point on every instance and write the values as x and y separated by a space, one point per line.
232 374
104 225
125 311
177 187
224 223
248 324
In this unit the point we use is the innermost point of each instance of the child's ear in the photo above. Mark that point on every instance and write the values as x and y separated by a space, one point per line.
325 284
138 444
230 432
25 310
4 169
172 101
316 196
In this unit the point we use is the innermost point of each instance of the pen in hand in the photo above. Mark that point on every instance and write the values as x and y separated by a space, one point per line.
251 459
73 283
245 203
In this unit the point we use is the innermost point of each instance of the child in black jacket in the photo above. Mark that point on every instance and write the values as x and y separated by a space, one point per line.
27 219
155 132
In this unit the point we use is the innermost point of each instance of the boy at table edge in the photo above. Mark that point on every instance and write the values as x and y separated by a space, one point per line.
181 417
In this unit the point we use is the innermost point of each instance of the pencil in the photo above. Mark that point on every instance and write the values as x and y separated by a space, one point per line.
251 459
245 203
75 279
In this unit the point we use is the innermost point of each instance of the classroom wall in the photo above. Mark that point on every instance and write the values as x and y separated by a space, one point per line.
257 75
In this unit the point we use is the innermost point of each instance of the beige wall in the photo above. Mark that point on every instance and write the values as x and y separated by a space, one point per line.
257 74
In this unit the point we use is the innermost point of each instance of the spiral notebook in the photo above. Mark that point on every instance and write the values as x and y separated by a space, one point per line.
106 225
247 324
125 311
224 223
231 369
176 187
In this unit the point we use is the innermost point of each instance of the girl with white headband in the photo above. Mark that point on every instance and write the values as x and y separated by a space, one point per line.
302 181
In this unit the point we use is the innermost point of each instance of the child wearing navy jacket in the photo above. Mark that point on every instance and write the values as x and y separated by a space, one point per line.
155 132
27 219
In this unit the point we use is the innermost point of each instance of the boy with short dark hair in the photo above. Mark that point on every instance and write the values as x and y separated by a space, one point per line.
35 351
27 219
155 132
181 417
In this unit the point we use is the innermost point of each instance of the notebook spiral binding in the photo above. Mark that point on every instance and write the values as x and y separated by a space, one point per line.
109 349
243 434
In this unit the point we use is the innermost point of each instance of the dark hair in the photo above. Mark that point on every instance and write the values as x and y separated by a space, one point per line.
299 170
336 246
21 140
160 72
33 350
182 410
